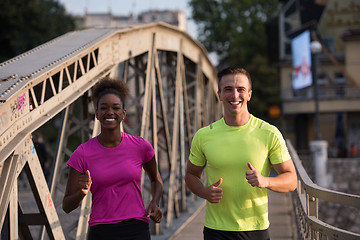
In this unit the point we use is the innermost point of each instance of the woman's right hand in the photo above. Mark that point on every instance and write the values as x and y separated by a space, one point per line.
85 182
77 187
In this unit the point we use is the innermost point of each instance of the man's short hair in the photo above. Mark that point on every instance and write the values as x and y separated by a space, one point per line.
234 70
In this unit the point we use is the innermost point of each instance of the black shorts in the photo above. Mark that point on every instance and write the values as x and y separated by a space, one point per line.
130 229
212 234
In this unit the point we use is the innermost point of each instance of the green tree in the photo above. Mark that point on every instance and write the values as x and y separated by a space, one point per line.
235 30
25 24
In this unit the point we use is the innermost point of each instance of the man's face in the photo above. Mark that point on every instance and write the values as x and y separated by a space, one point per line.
234 92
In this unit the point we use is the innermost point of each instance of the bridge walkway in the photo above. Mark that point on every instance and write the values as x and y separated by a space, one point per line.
282 225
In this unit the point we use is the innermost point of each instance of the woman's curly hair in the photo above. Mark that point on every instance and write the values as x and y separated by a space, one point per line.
109 85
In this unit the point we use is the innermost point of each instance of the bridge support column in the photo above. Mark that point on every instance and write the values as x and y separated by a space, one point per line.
320 157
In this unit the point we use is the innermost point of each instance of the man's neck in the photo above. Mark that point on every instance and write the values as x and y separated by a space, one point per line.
237 120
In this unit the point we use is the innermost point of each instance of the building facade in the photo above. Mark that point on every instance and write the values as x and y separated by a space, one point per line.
336 25
173 17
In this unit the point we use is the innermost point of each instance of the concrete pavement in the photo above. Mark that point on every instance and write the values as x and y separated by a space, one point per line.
282 225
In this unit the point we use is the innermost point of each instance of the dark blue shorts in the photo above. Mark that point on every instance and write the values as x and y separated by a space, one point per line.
130 229
212 234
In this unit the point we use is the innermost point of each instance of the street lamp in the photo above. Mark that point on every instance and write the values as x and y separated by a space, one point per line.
315 48
318 147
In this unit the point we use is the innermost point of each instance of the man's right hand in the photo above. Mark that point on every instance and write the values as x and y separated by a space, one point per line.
214 192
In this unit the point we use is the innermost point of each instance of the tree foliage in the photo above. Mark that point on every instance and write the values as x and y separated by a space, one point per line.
235 30
25 24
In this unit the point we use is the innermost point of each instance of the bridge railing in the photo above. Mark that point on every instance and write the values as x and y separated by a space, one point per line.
306 206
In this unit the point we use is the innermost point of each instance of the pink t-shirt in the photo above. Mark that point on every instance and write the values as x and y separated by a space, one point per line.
116 176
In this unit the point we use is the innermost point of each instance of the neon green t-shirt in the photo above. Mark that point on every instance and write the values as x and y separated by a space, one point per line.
225 151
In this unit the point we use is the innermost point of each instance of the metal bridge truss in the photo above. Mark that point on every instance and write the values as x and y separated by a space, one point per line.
172 94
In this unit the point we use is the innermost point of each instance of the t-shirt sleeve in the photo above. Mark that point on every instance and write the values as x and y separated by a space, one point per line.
278 151
197 156
149 152
76 160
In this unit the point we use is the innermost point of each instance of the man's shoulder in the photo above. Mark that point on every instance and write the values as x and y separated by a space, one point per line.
259 123
271 130
212 126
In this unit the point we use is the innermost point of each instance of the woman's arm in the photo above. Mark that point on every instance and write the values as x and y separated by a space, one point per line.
77 187
152 171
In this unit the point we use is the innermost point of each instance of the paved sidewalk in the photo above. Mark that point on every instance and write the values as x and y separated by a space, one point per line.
282 226
189 225
282 220
193 227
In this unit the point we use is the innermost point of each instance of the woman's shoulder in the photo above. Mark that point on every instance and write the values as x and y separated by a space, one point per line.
136 141
89 144
132 138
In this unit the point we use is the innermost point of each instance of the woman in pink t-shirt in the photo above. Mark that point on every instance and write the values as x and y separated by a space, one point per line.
110 165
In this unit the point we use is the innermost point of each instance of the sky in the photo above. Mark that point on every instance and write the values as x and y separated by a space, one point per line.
125 7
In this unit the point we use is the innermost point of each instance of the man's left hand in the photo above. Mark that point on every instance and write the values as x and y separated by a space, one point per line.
255 178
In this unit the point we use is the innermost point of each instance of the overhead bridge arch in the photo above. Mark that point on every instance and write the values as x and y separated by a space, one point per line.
172 93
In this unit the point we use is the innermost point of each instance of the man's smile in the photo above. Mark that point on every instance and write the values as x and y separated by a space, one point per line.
235 103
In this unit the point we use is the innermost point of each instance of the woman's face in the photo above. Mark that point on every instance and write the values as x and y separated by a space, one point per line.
110 111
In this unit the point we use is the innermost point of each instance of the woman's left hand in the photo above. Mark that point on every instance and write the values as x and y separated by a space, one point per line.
154 212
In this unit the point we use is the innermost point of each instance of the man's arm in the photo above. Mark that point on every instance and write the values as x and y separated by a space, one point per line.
285 181
192 178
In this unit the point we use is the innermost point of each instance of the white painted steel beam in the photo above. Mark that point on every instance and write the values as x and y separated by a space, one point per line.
161 65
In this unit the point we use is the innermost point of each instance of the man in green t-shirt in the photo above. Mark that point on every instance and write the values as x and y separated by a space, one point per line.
238 151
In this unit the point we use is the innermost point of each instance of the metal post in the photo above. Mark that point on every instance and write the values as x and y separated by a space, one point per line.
316 96
315 49
318 147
